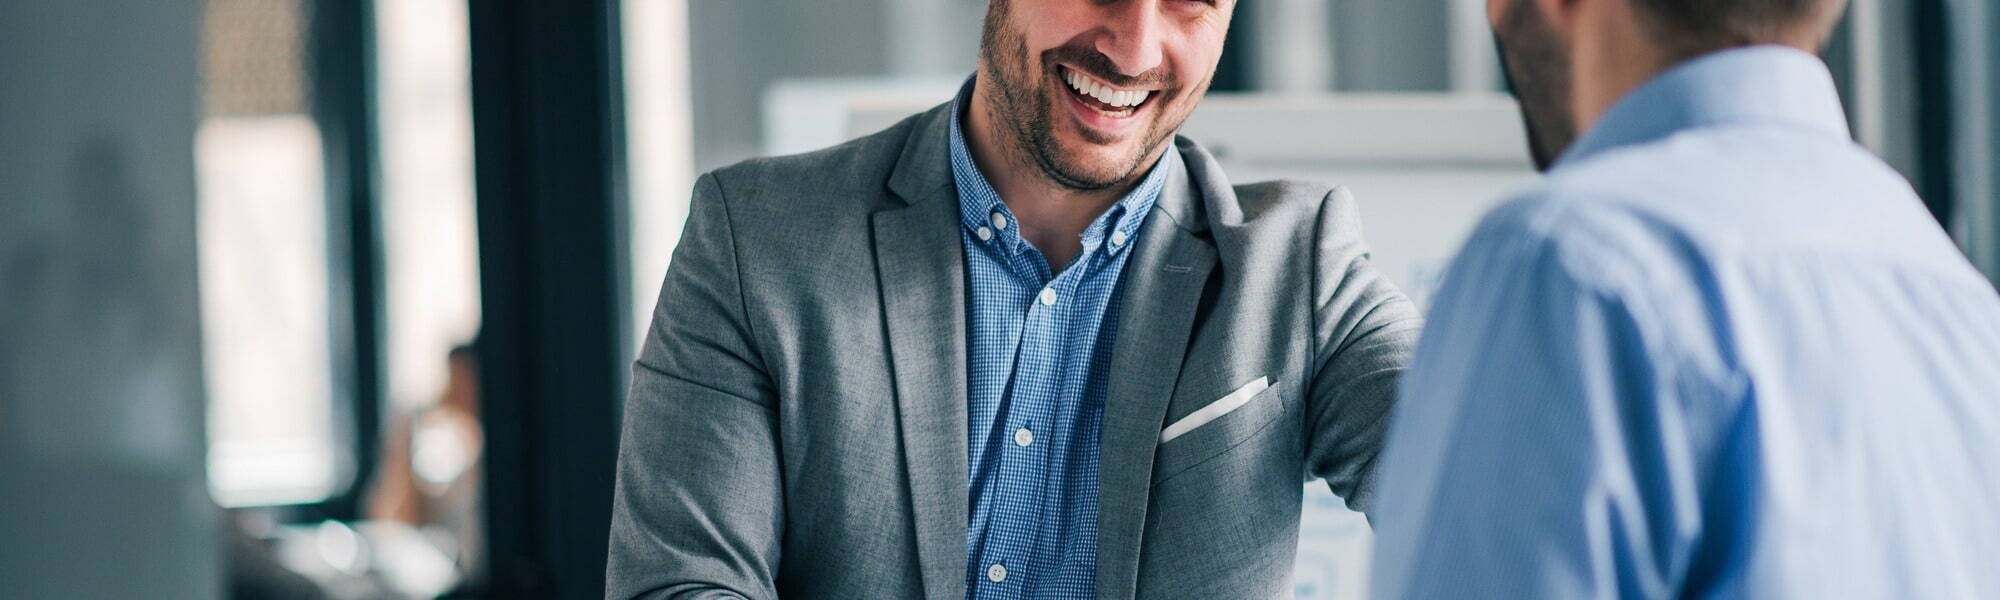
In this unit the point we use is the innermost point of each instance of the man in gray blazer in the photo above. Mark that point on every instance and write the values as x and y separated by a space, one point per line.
1029 344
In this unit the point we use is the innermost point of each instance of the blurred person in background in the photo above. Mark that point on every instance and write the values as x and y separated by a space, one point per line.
430 477
1720 351
1028 344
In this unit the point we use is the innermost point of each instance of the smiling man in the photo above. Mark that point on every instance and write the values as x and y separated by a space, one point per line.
1026 345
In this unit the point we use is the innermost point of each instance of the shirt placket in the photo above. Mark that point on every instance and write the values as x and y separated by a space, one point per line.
1037 416
1023 464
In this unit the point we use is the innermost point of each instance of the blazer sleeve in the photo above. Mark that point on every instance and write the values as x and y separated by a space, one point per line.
1364 336
698 510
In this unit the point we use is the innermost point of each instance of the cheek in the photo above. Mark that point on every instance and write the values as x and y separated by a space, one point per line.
1052 24
1194 70
1197 50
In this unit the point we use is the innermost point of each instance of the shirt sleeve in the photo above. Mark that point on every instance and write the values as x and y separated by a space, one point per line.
1537 450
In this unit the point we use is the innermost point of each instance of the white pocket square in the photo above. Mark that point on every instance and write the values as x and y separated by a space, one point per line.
1215 410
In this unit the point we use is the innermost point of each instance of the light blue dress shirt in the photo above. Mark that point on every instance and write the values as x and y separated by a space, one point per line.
1040 360
1721 352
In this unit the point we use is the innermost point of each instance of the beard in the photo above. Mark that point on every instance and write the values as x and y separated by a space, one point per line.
1536 67
1026 114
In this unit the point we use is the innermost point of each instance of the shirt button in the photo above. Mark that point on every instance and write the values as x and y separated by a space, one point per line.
1023 437
985 234
1048 296
999 222
1117 238
996 573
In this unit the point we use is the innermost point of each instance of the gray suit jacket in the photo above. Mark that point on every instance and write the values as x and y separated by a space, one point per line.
797 421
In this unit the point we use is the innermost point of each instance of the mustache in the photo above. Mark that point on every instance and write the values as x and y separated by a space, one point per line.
1095 64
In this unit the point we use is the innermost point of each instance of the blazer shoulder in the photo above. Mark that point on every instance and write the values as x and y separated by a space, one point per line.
1282 190
856 170
1221 202
1295 203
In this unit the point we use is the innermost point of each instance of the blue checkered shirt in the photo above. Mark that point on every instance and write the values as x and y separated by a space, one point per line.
1040 359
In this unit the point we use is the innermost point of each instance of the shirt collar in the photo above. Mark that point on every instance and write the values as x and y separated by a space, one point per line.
1756 83
979 203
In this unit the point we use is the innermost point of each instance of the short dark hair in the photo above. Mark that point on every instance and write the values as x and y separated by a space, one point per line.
1695 26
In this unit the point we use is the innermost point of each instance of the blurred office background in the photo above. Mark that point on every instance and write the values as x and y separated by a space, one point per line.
335 298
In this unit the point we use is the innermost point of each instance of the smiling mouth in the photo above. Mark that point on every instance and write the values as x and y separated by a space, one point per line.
1101 97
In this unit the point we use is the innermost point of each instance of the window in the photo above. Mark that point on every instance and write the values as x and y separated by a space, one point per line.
263 270
275 255
424 107
657 138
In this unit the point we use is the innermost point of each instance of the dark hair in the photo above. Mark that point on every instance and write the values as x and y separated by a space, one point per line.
468 350
1694 26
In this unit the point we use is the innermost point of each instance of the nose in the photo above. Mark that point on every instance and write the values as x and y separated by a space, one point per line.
1133 36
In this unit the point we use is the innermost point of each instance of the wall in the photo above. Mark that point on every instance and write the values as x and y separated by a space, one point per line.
1400 46
101 446
741 46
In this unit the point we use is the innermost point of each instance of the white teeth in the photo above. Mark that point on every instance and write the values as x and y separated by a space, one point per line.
1103 93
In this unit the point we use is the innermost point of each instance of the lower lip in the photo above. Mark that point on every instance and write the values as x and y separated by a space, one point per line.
1091 117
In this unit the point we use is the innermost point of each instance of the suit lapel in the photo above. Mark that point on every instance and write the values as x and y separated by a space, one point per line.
1162 289
920 267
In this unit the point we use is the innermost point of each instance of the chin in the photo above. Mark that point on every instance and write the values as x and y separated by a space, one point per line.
1097 168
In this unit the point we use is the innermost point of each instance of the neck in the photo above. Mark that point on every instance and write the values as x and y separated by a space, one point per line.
1052 216
1611 61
